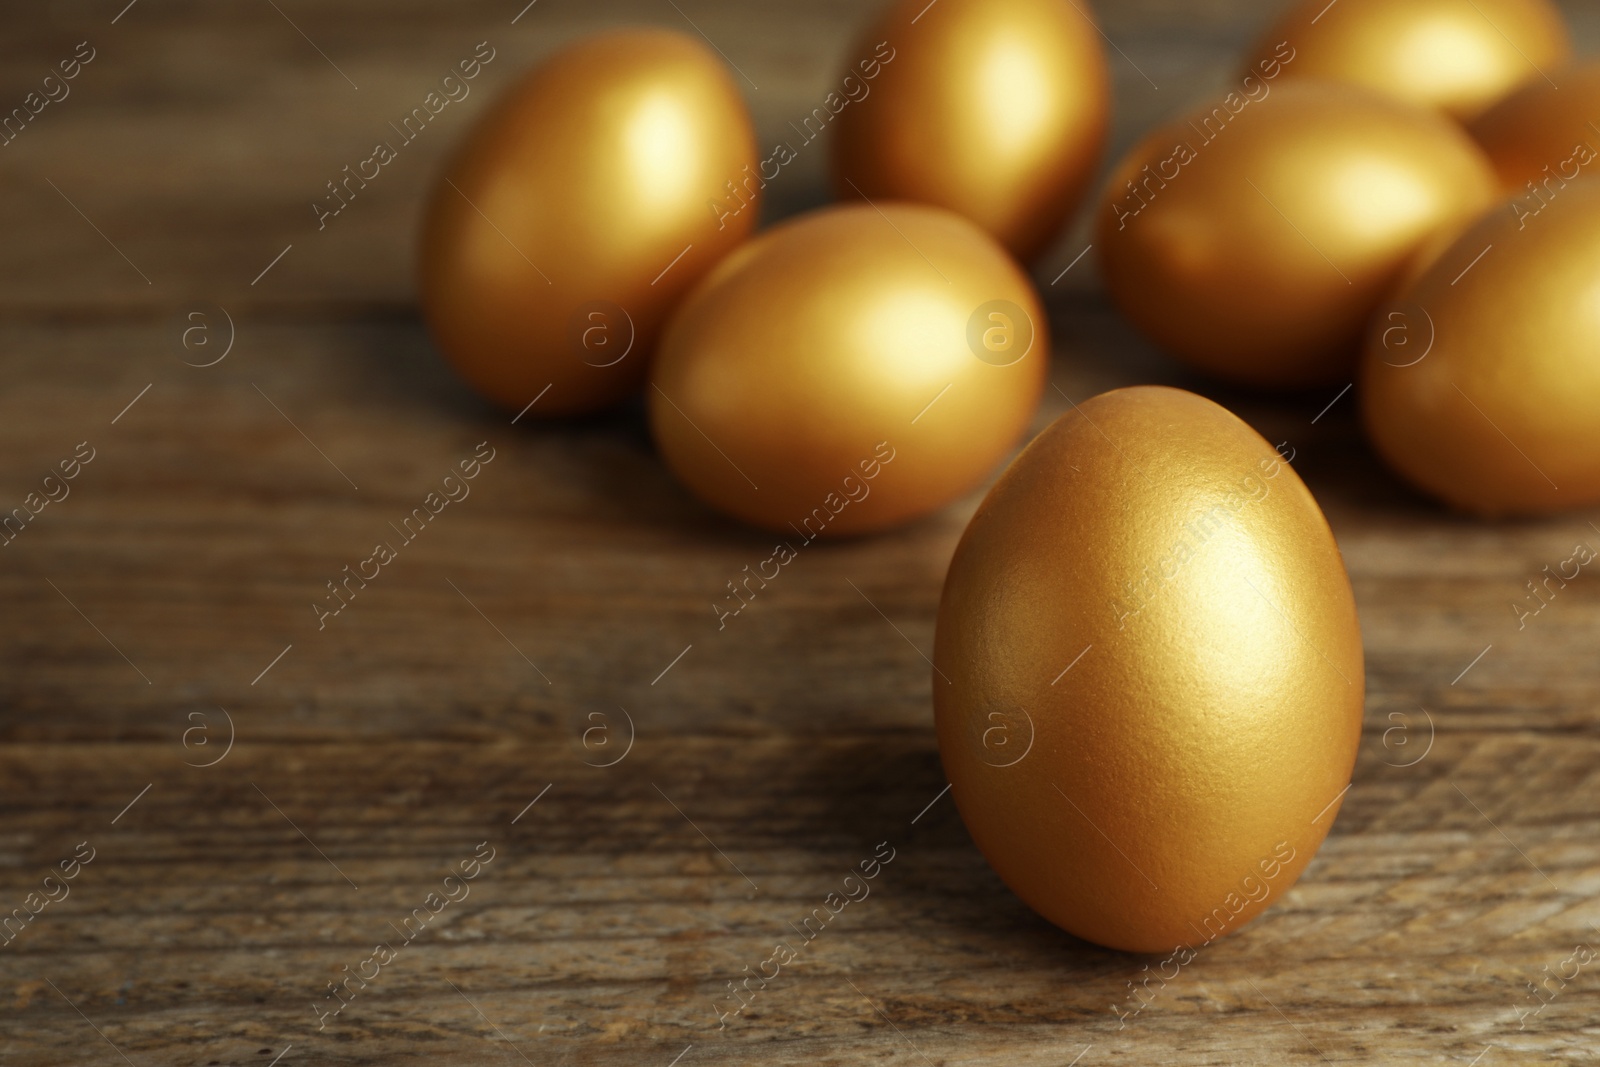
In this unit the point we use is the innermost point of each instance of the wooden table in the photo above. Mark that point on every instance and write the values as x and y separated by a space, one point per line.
465 702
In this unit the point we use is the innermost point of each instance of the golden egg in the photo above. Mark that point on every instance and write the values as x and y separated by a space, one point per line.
1148 673
1253 238
1480 382
578 212
1541 137
1458 56
994 109
848 370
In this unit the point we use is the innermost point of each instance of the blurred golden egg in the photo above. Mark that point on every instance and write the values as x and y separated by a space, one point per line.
578 211
1252 239
849 370
1148 673
1458 56
994 109
1481 381
1541 137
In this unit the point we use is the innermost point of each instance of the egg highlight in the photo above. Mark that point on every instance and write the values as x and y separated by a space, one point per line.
1457 56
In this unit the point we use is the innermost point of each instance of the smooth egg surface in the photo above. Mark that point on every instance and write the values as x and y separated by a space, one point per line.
1480 383
1541 137
1148 673
1253 238
1457 56
994 109
849 370
576 214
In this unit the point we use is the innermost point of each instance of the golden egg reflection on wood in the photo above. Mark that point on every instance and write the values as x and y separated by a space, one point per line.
849 370
1253 237
1458 56
994 109
577 213
1541 137
1148 673
1480 383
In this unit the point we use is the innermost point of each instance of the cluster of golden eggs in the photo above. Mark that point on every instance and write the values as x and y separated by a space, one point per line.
1148 680
595 236
1390 195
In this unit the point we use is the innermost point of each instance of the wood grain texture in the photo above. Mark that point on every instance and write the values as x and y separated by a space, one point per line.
494 659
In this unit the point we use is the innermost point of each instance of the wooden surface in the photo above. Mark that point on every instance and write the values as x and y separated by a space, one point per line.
491 662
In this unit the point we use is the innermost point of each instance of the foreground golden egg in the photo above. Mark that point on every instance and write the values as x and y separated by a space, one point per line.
1458 56
1481 381
578 212
848 370
1540 137
1148 673
995 109
1253 238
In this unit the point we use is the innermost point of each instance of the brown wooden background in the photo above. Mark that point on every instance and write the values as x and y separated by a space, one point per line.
381 750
